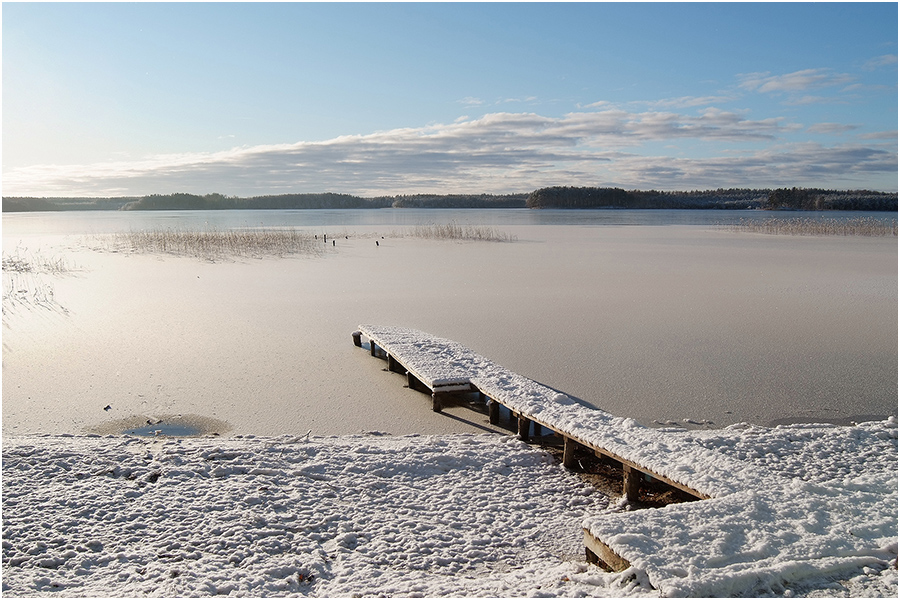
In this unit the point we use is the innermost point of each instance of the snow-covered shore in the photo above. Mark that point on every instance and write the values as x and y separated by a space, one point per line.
370 515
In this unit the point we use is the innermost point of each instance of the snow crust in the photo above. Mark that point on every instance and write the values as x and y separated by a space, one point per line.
378 515
368 514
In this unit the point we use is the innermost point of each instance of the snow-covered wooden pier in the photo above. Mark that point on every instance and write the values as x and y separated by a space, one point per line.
443 367
736 493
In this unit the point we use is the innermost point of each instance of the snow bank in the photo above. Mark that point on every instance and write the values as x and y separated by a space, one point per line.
372 515
838 512
456 515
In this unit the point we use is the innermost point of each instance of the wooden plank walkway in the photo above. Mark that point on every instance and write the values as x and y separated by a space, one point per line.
730 489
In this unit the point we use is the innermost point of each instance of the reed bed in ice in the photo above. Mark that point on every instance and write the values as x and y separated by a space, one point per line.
214 244
23 261
454 231
865 226
25 284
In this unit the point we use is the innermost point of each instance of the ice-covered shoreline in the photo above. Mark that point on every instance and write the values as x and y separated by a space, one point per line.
449 515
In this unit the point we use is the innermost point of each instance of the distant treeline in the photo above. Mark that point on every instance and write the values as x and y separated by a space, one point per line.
550 197
19 204
220 202
734 199
457 201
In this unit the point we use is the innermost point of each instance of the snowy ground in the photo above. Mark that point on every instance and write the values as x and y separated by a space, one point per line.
365 515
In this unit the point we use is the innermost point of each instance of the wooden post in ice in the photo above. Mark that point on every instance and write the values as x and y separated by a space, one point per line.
357 339
436 402
372 347
493 411
395 366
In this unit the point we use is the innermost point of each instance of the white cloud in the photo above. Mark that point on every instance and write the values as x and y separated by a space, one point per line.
798 81
498 152
885 60
688 101
880 135
831 128
804 165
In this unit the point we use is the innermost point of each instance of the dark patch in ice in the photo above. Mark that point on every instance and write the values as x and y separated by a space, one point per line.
164 426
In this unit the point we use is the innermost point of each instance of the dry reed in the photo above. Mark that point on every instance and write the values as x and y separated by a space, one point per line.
865 226
23 261
24 281
454 231
213 244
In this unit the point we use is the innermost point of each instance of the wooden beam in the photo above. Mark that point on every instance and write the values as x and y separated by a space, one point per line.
598 553
601 453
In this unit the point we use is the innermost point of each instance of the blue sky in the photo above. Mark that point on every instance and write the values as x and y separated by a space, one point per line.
243 99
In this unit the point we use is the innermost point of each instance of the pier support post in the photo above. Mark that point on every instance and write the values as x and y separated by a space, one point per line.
494 412
372 347
632 482
568 452
395 366
436 402
523 428
357 339
414 384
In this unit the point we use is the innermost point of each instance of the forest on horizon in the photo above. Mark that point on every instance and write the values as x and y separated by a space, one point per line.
548 197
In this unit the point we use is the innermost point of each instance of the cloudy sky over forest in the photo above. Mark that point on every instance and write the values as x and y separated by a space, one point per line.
243 99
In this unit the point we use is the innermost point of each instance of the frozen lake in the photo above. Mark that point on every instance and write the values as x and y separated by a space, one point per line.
656 315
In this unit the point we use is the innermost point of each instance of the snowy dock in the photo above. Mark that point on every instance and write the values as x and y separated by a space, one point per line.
835 527
443 367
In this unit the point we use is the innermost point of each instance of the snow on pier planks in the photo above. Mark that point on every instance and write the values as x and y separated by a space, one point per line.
753 525
444 366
